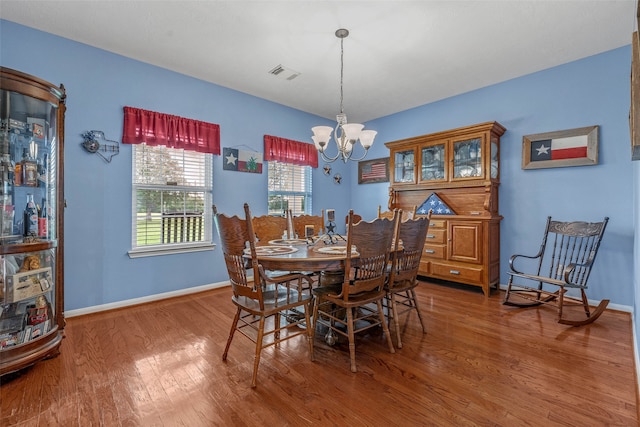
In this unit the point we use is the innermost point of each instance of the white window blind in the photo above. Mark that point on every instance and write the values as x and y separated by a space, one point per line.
289 188
171 200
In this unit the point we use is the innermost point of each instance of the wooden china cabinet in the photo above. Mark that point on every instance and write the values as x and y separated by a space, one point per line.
31 219
462 168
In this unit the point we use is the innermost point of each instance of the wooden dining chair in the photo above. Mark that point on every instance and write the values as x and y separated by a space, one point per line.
260 302
298 224
362 290
356 218
406 214
403 274
269 227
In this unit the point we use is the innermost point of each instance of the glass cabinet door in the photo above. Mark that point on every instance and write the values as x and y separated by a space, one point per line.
27 150
404 166
433 163
467 158
28 147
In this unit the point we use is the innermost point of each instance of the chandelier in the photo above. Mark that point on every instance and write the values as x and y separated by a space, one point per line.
345 134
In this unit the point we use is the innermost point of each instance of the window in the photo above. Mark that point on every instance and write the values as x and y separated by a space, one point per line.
172 196
289 188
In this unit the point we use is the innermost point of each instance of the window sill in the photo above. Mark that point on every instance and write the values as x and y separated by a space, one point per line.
164 250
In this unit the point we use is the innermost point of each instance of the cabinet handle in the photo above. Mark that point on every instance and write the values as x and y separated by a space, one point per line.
454 272
431 236
430 251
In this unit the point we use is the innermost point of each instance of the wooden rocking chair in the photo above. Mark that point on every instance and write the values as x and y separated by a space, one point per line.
567 253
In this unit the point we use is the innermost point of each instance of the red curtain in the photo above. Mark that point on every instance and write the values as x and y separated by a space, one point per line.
172 131
289 151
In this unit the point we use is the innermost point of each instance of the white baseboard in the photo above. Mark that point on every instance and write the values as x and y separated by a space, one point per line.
141 300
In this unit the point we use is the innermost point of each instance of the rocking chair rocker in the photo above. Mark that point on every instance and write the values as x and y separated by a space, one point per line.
567 252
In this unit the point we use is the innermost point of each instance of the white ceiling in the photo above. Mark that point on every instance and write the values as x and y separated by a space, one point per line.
399 55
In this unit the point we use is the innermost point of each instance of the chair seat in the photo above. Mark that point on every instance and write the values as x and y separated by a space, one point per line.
355 300
275 300
545 280
407 285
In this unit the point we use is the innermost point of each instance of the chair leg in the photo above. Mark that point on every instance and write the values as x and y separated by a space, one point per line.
393 310
385 327
256 360
276 325
316 303
560 303
352 339
417 307
310 330
234 325
507 292
585 303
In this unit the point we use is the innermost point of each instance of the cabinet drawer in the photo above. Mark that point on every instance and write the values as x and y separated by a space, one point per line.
434 251
437 223
457 273
436 235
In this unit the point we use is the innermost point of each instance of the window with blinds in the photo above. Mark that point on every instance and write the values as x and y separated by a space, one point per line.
172 193
289 188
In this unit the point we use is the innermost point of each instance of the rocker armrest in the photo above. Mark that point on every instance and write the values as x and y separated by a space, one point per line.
569 270
513 258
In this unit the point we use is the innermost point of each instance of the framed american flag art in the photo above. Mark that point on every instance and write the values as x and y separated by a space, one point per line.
572 147
371 171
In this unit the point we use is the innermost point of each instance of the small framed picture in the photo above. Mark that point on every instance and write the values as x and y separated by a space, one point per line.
371 171
572 147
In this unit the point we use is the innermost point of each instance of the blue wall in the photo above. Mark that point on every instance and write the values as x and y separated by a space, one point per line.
98 214
593 91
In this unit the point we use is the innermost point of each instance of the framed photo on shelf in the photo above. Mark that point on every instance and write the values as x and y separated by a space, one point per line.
572 147
371 171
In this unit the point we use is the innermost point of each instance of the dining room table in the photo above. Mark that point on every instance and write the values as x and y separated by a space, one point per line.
316 255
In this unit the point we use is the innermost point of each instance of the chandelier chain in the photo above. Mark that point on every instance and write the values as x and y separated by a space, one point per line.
341 73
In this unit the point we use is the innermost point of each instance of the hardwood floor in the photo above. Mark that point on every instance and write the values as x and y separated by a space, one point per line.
480 363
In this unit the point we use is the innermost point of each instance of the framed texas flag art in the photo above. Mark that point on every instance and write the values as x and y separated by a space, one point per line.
572 147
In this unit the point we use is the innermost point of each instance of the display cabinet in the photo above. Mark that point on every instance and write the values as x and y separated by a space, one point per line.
462 167
31 219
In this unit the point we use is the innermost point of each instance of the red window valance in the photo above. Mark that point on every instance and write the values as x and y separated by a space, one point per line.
289 151
172 131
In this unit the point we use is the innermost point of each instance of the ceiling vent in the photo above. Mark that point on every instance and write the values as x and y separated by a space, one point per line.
283 72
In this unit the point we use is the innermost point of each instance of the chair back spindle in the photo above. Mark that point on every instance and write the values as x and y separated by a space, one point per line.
572 243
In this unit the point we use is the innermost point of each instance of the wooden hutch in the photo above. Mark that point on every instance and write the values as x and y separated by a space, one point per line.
462 168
